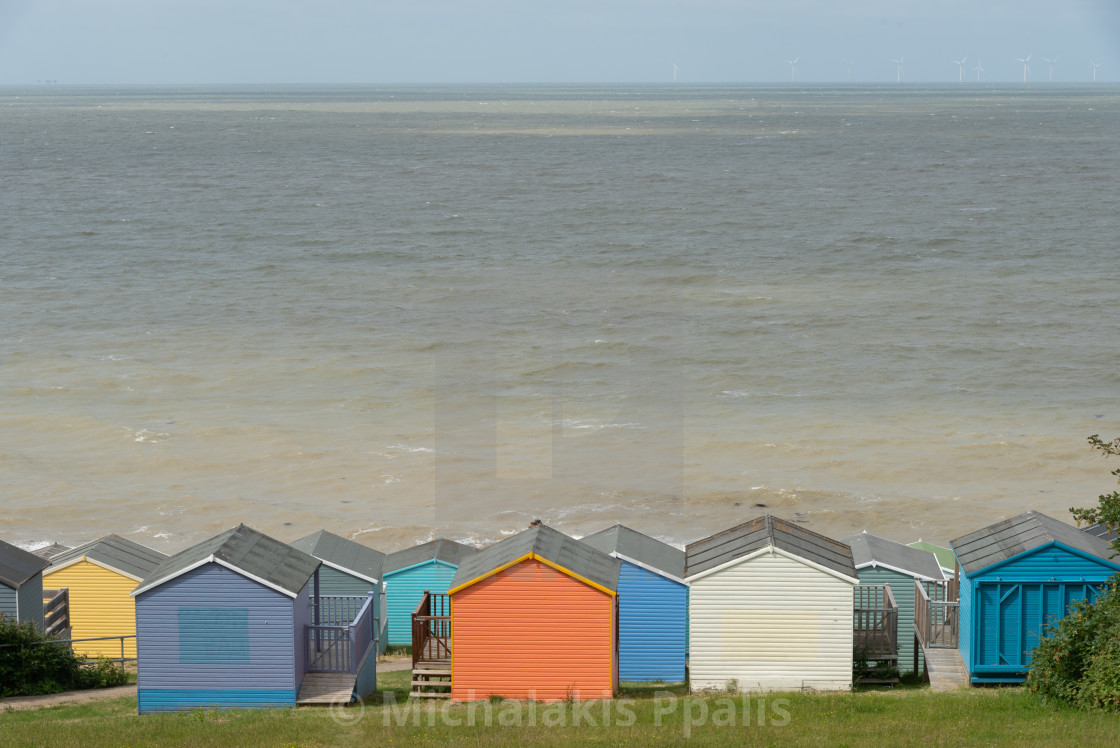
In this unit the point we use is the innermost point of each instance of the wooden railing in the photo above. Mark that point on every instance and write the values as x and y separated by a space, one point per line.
431 629
338 646
56 611
936 613
875 625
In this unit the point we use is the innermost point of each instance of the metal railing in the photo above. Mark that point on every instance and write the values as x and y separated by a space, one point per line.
936 614
70 645
342 647
875 623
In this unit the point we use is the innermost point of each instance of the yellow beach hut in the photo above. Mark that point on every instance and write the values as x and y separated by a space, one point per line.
100 576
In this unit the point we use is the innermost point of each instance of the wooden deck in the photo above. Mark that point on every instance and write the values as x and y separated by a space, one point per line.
324 689
431 647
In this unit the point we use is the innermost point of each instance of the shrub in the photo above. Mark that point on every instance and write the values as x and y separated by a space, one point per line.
29 665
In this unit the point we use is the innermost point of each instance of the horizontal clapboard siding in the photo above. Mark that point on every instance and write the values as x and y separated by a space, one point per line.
9 604
652 618
262 653
531 631
152 700
770 623
1013 601
405 588
902 588
100 605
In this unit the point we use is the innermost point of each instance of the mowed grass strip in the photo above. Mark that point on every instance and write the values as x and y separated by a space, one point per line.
642 717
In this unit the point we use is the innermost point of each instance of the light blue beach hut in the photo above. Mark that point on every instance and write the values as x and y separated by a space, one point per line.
408 573
879 561
21 584
1017 576
231 623
652 605
349 569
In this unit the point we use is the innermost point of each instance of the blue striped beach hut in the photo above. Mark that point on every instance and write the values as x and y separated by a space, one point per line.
348 569
21 584
1017 576
408 573
230 623
652 605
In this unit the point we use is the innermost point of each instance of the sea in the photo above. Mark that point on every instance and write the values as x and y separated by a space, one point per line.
404 313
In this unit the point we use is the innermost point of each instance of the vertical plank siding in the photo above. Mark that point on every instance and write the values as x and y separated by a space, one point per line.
531 631
100 605
228 674
652 623
30 601
770 623
405 587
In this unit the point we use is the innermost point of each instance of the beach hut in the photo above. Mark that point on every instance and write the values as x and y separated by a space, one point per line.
99 577
1017 576
652 605
770 608
534 617
349 569
879 561
945 558
21 584
230 623
410 572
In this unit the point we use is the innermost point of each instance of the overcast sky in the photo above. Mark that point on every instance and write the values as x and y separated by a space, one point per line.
552 41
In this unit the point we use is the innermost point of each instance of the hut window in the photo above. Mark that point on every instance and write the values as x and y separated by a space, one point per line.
214 636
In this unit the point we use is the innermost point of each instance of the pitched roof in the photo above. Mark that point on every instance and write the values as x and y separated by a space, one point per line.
50 551
342 553
17 566
1011 537
764 531
944 555
244 550
635 546
1101 531
873 551
113 551
435 550
543 544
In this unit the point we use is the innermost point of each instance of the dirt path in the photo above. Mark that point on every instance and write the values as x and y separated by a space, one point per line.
68 697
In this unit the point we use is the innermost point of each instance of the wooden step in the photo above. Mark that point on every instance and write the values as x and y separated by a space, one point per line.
434 683
431 694
434 673
326 688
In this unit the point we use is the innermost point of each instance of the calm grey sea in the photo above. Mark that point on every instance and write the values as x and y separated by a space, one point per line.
400 313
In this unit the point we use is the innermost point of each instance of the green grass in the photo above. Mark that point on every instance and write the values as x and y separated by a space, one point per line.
1007 716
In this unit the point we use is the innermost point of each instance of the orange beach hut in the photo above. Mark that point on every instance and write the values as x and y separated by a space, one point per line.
535 617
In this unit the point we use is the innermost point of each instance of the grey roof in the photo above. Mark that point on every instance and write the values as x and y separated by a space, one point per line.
17 566
441 550
343 553
764 531
1101 531
252 552
872 550
634 545
1010 537
115 552
553 545
50 551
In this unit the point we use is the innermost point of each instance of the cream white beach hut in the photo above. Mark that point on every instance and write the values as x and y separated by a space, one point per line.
770 609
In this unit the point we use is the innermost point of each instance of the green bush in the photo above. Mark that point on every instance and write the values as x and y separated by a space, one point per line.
28 666
1078 661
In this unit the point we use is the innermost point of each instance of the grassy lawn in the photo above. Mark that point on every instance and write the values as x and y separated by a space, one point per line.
643 716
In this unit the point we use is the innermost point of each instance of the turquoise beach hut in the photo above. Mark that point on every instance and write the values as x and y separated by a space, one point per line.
230 623
879 561
652 605
1017 576
411 571
349 569
21 584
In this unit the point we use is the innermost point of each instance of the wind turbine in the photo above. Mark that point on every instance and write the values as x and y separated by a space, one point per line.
1095 66
850 63
899 63
674 72
960 68
1026 65
978 69
793 69
1051 61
